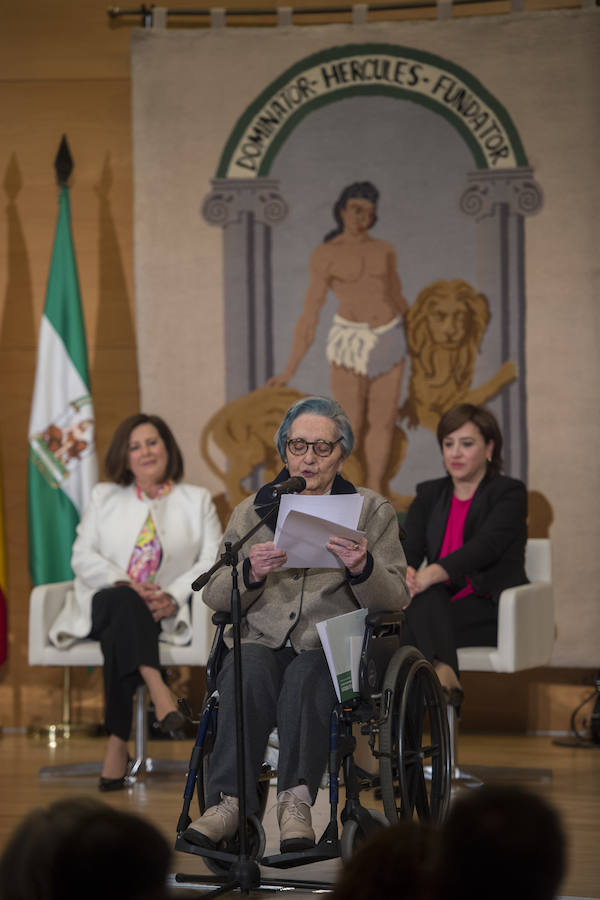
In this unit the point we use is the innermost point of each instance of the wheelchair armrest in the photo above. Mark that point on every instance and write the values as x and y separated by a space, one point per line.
381 640
384 617
218 650
383 622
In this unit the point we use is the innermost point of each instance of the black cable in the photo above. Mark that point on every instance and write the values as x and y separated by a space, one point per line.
577 739
580 737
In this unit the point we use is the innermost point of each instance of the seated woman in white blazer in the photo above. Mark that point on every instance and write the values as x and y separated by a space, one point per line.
142 541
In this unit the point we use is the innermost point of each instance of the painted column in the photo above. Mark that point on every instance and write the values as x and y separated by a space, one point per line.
246 210
499 200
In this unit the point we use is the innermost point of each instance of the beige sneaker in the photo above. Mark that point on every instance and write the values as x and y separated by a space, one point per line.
295 823
218 823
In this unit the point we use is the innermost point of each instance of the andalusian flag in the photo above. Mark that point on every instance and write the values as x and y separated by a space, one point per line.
3 622
62 452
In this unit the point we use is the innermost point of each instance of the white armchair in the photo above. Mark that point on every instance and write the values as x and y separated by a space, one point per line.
525 640
525 620
45 603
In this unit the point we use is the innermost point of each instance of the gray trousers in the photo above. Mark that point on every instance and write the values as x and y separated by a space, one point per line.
281 689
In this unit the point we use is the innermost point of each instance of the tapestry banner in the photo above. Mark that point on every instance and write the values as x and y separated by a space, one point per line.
400 215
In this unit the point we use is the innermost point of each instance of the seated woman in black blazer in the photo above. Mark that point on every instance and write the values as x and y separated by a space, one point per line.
471 528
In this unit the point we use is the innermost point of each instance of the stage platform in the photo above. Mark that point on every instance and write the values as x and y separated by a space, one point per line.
574 787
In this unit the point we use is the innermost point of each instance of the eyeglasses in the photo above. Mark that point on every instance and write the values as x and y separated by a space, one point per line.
298 446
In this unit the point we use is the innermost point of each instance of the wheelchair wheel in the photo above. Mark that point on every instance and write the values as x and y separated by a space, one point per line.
414 736
353 834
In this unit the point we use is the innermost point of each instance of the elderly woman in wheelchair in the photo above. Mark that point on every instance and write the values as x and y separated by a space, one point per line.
285 678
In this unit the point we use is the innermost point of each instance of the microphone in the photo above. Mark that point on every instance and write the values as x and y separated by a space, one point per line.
292 486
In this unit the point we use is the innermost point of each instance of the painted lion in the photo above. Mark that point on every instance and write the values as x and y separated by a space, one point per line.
444 328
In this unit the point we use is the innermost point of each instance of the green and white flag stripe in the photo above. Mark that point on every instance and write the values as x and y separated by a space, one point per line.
62 454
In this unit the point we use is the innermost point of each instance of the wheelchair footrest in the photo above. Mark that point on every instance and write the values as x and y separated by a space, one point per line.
187 847
323 851
320 853
272 884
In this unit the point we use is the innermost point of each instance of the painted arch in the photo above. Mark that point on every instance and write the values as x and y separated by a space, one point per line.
377 69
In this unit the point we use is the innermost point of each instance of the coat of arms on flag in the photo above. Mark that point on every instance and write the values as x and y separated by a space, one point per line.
66 441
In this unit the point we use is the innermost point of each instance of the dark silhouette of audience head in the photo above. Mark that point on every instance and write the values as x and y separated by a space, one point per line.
395 862
498 843
81 847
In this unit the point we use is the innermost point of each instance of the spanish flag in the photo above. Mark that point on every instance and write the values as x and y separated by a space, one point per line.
3 622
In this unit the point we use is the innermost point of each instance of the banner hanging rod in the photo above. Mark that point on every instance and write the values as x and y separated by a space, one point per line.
146 12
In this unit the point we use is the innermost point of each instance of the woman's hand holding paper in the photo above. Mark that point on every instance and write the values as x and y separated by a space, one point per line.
353 554
265 558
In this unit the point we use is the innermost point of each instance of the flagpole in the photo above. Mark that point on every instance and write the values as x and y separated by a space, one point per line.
60 479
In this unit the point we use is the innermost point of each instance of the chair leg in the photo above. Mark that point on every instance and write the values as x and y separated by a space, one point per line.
66 728
142 762
141 730
64 731
472 778
458 775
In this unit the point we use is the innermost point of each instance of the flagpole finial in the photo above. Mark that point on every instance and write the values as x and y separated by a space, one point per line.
63 163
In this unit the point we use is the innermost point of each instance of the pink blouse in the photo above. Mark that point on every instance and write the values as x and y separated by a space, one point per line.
454 537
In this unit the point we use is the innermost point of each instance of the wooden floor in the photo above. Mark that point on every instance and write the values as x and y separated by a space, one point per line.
574 788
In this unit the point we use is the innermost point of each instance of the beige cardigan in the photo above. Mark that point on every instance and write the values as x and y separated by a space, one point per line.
290 602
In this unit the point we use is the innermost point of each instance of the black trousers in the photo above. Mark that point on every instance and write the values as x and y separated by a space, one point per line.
128 635
438 626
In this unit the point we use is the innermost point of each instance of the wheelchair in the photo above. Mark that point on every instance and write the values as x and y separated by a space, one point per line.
400 708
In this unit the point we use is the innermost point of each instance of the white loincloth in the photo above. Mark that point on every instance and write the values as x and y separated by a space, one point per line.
365 350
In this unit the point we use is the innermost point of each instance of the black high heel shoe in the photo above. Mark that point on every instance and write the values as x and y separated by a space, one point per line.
117 784
176 724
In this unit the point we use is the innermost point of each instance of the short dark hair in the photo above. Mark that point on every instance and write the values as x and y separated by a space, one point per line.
398 861
116 462
484 421
80 846
498 842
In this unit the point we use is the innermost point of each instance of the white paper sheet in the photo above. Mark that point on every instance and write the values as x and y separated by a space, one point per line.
341 638
303 537
304 528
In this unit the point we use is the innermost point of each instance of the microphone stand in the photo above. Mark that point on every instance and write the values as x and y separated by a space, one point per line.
245 871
